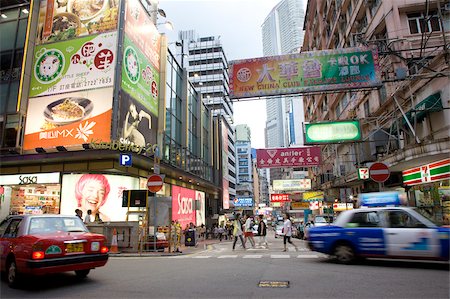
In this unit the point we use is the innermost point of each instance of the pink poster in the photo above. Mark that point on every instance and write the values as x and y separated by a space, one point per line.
288 157
183 205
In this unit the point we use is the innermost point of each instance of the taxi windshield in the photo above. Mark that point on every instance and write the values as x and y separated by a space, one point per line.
48 225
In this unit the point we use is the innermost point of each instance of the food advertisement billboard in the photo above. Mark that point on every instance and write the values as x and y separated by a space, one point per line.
288 157
100 193
142 32
69 19
69 119
317 71
183 205
137 126
139 78
84 63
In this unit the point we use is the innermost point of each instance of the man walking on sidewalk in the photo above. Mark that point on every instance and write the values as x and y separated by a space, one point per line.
287 231
262 231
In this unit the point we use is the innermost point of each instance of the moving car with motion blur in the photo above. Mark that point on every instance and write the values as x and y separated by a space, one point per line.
279 230
45 244
381 232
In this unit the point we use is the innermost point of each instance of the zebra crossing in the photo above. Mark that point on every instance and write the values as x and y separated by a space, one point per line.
252 256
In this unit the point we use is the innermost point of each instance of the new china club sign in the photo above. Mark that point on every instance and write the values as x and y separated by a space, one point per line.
288 157
184 205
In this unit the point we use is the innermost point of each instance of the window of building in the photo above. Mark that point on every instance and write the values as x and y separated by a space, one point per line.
419 23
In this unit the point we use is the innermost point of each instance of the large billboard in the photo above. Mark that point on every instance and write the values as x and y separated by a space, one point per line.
201 208
84 63
183 205
317 71
69 119
141 56
243 202
288 157
292 185
65 20
96 192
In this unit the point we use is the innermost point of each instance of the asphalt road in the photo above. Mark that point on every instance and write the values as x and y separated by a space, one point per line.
220 272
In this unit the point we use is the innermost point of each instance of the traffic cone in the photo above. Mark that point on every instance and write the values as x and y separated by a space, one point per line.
114 248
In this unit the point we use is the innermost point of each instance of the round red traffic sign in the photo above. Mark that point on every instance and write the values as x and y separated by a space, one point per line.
154 183
379 172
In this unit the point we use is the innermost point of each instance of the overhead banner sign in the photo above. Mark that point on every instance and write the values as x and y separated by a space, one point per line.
313 196
432 172
279 198
288 157
316 71
292 185
332 132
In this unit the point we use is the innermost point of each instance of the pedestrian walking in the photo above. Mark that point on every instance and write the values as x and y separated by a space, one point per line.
287 231
87 219
220 232
237 231
262 231
301 230
79 213
248 231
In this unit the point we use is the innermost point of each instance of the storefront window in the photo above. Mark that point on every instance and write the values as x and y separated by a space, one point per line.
35 199
433 201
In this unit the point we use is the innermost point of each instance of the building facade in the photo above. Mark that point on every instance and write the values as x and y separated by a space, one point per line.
244 184
404 123
207 65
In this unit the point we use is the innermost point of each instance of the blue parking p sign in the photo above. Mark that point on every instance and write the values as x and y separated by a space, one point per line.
125 160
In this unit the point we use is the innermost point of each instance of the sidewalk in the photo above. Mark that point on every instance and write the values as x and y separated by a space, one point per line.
202 245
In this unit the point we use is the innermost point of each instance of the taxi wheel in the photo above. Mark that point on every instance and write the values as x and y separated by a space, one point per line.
82 273
11 274
344 254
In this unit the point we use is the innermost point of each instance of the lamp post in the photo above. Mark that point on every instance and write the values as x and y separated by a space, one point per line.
181 44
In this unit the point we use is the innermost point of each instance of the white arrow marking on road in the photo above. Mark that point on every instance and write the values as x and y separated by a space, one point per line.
254 256
227 257
279 256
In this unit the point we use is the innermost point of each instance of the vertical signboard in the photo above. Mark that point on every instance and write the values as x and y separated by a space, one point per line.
183 207
225 183
200 209
138 115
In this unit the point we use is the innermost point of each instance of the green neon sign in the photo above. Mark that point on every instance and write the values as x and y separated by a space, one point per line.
333 132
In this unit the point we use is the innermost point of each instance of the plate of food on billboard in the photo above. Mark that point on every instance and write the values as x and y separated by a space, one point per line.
61 20
69 119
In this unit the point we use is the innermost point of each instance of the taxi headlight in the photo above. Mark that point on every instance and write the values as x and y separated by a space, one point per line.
95 246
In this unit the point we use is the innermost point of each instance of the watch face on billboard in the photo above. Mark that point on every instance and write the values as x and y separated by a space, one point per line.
137 124
100 193
69 119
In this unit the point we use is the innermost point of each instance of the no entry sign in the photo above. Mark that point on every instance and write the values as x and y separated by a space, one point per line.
155 183
379 172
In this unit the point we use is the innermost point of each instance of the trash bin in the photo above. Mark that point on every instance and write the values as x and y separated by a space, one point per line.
190 238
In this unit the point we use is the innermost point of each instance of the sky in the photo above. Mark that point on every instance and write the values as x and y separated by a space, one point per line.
238 23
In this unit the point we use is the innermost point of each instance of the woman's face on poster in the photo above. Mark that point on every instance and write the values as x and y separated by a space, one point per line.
93 194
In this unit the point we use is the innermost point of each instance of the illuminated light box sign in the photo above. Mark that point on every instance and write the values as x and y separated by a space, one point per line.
339 207
329 132
316 71
292 185
428 173
313 196
299 205
377 199
279 198
288 157
243 202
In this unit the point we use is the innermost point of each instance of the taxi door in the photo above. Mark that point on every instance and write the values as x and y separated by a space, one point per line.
406 236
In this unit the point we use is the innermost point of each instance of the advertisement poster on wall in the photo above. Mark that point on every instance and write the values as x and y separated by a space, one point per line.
140 29
136 125
200 212
69 119
139 78
183 205
96 192
84 63
65 20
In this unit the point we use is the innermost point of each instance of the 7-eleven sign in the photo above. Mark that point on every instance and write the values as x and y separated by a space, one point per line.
363 173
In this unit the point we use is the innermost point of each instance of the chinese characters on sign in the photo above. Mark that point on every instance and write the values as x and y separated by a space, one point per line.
292 185
313 196
327 70
288 157
279 198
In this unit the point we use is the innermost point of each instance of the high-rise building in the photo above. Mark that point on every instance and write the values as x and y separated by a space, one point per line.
282 33
207 66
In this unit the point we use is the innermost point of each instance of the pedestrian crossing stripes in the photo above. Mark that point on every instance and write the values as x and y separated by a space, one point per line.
255 256
234 256
279 256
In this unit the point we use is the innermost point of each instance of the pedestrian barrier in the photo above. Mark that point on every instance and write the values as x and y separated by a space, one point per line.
114 246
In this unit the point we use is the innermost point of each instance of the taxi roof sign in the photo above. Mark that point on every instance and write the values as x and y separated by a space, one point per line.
379 199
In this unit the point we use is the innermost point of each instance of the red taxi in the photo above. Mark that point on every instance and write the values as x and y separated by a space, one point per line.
44 244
